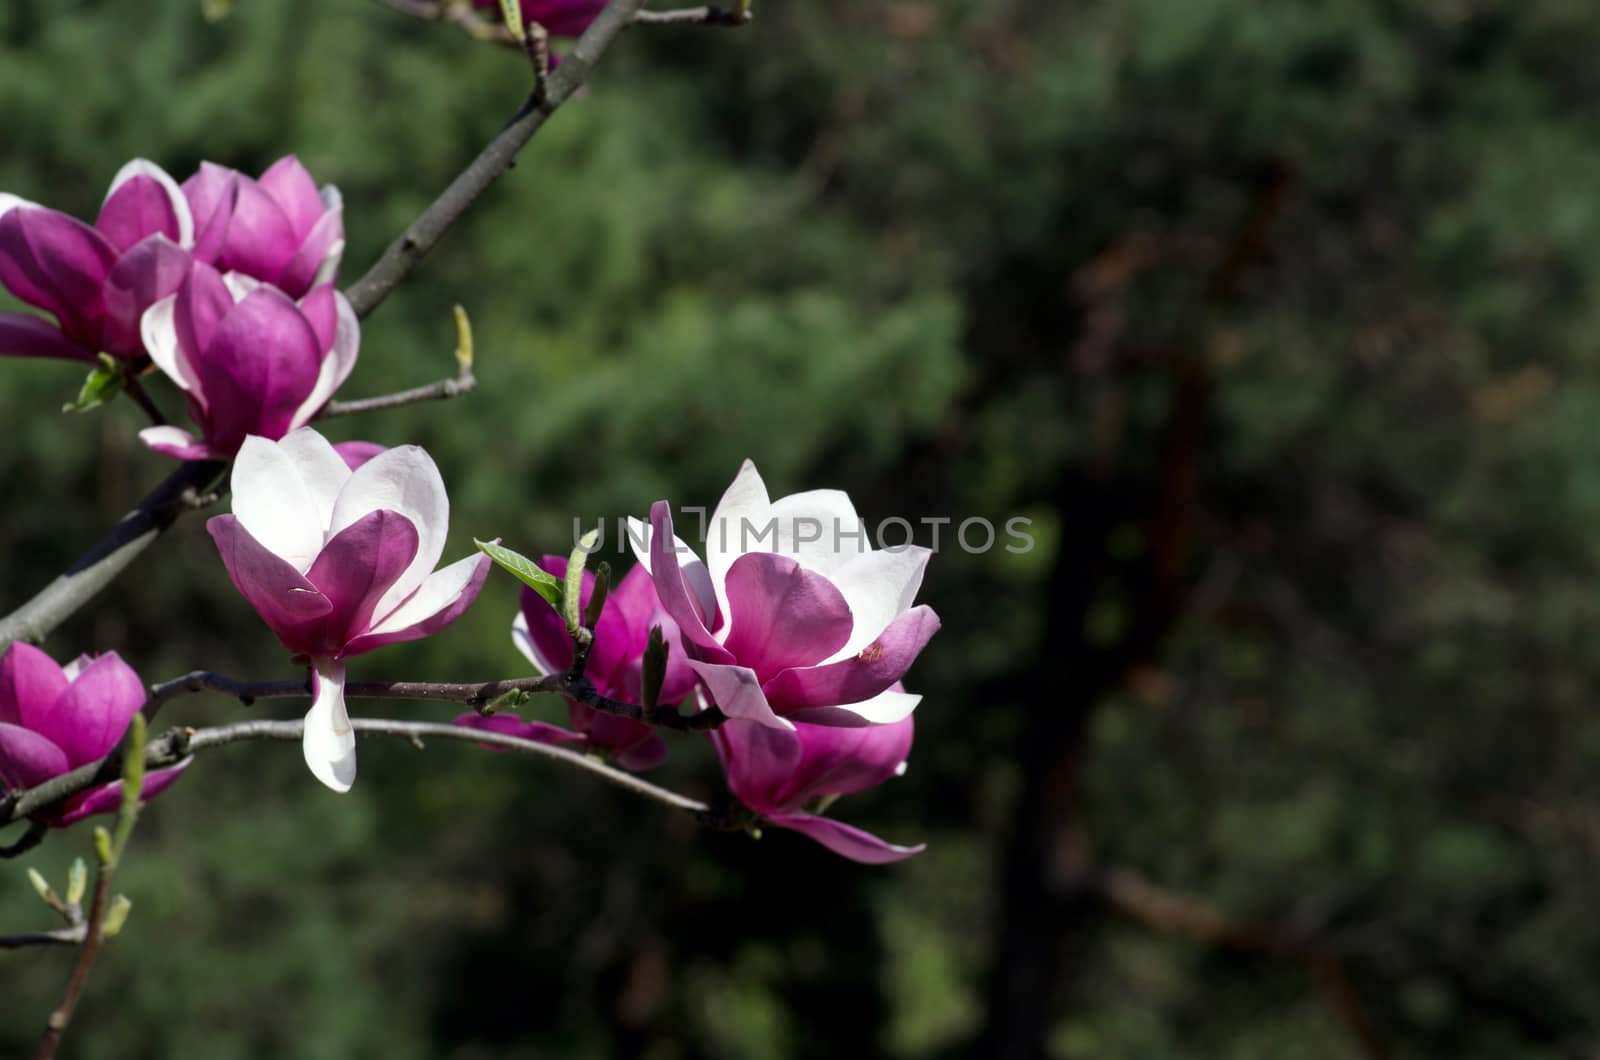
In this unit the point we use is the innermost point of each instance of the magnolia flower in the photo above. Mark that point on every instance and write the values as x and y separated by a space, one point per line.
279 229
793 616
615 667
357 453
337 563
251 360
560 18
97 281
53 720
776 773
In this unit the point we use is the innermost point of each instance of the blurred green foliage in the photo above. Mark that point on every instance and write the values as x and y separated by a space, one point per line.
1302 295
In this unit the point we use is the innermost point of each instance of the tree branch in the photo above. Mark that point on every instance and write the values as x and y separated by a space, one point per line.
367 293
69 936
98 567
464 383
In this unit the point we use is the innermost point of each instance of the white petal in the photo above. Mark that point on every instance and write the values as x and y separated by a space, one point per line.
530 651
239 285
879 586
743 513
10 202
140 167
160 335
820 529
438 591
274 502
329 742
331 198
337 364
404 480
639 541
882 709
323 471
166 439
329 269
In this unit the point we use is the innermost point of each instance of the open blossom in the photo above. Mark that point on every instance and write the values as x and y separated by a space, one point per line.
53 720
777 773
251 360
792 617
279 229
96 281
615 666
339 562
560 18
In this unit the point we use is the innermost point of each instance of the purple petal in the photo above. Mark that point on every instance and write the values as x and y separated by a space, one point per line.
781 615
203 300
321 310
685 606
281 595
443 597
511 725
846 840
546 629
260 364
355 569
138 208
324 240
287 181
758 761
613 641
92 714
24 335
843 761
737 690
107 798
354 454
646 754
57 263
212 193
142 277
28 759
178 443
260 238
861 676
30 682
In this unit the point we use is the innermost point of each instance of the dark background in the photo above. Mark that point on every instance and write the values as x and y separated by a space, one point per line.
1278 321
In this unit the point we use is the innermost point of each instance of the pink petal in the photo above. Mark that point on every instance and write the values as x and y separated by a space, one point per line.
511 725
843 761
107 798
860 677
846 840
178 443
281 595
57 263
758 761
260 364
260 238
24 335
287 181
355 454
212 193
137 208
142 277
646 754
686 607
737 690
28 759
30 682
322 242
89 718
355 569
781 615
441 599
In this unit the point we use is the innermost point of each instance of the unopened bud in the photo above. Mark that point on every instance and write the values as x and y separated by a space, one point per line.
654 668
116 916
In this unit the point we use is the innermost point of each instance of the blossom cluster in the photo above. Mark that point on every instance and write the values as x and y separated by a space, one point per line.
225 284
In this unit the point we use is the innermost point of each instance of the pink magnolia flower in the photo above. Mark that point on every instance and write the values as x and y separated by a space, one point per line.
279 229
776 773
615 666
560 18
792 617
357 453
339 562
96 281
251 360
53 720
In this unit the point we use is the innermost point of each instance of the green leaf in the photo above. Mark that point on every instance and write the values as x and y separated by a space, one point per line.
525 570
102 384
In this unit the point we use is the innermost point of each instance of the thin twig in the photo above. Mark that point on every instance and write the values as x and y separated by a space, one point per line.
464 383
26 842
141 397
367 293
700 16
67 936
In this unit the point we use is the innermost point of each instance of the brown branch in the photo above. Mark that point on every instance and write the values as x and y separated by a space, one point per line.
56 1026
367 293
444 389
98 567
68 936
702 16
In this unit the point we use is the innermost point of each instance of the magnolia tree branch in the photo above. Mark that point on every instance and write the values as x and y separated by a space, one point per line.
480 27
367 293
177 744
181 491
